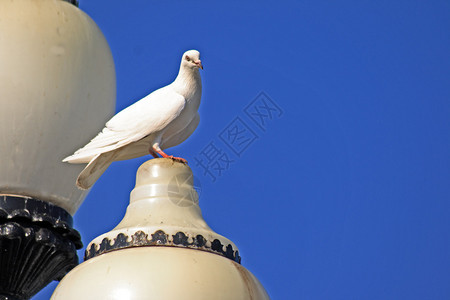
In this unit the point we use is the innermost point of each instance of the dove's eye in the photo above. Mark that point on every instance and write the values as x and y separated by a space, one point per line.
187 58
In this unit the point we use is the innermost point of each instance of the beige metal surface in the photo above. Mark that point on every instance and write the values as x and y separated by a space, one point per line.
163 199
57 89
159 273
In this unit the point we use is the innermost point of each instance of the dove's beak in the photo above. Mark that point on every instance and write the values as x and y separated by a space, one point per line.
199 64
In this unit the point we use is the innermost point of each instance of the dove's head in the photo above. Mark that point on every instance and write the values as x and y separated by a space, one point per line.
191 59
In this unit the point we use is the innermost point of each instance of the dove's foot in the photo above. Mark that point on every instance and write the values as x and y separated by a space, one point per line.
178 159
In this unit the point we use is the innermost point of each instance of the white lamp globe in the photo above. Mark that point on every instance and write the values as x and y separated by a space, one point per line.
57 90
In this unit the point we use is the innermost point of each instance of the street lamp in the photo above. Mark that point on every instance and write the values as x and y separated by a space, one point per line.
162 249
57 87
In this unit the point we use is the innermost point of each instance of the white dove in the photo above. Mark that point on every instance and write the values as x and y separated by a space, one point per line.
163 119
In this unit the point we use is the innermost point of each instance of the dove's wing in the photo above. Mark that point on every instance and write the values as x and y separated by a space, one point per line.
150 115
181 135
96 167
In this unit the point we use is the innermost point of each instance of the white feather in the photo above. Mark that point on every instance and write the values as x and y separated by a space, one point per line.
164 118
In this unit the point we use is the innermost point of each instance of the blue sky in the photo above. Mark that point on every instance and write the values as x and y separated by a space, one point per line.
343 192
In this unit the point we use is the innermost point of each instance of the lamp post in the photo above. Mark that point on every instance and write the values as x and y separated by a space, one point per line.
57 86
162 249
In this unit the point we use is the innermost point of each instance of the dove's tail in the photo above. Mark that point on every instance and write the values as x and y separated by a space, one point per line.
95 169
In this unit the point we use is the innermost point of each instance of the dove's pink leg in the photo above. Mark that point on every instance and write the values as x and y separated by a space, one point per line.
158 150
153 153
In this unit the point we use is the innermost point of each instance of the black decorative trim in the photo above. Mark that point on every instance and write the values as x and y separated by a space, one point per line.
32 257
21 208
160 238
37 245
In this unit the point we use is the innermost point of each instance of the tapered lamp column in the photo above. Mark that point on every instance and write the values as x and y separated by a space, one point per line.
162 249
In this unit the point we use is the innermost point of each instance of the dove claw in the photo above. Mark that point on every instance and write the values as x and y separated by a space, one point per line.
178 159
181 160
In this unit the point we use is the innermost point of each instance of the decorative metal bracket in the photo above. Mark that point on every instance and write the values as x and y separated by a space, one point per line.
160 238
37 245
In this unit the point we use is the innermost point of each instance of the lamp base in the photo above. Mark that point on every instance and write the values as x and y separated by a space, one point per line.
37 245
